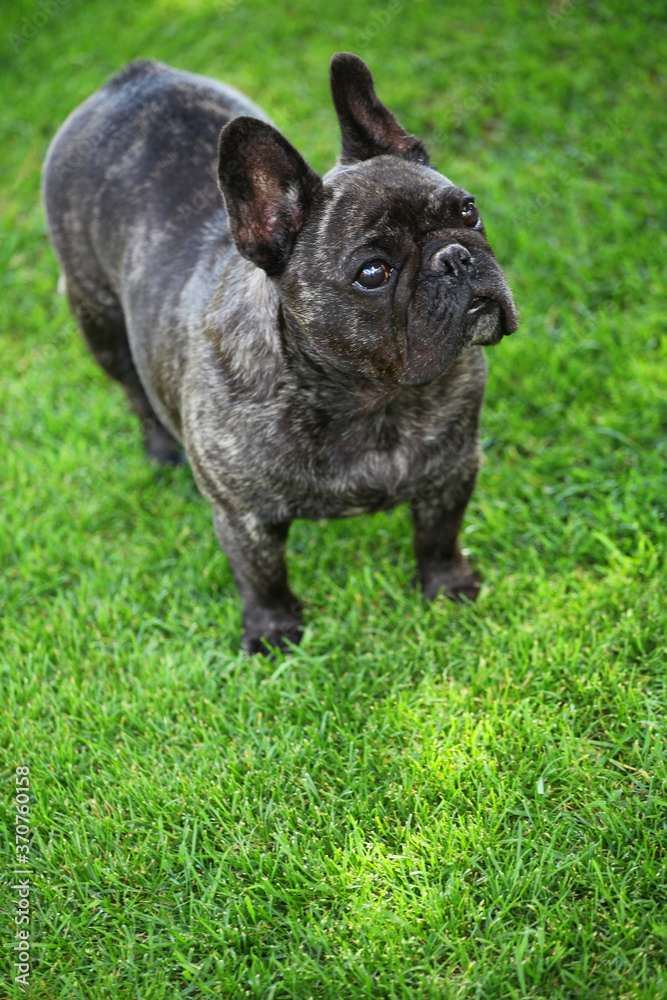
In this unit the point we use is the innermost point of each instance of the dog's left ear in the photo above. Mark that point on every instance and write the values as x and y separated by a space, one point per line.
367 127
269 191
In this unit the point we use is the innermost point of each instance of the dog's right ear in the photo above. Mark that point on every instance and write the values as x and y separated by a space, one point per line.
367 127
269 191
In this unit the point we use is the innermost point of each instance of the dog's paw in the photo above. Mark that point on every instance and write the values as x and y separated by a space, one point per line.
274 641
455 586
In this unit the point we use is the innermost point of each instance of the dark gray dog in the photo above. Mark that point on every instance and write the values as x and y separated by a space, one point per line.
313 343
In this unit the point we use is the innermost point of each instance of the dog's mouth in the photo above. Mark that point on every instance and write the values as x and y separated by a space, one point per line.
490 319
480 304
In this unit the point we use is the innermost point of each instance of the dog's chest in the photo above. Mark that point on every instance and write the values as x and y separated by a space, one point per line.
364 466
365 473
286 458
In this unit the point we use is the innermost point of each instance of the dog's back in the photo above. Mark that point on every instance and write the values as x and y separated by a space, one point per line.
141 152
134 210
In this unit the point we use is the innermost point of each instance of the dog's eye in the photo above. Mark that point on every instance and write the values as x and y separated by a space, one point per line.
374 274
469 214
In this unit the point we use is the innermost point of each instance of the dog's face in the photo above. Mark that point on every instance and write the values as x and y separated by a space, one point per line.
384 263
393 276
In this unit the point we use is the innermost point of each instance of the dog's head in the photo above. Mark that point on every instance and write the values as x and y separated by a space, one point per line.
383 263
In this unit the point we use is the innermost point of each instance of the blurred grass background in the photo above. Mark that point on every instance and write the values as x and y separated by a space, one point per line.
423 801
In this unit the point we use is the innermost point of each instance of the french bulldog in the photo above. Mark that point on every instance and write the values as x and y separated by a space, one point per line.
313 344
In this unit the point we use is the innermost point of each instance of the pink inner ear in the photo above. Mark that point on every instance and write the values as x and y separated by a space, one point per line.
272 205
267 224
403 143
272 209
381 126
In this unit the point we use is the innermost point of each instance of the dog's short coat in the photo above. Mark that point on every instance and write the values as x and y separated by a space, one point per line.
312 343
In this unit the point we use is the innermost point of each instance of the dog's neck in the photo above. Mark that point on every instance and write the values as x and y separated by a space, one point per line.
344 394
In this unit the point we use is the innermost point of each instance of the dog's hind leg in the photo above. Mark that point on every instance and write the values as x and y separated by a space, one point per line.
100 318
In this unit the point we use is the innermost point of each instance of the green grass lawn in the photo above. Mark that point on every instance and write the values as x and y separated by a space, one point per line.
423 801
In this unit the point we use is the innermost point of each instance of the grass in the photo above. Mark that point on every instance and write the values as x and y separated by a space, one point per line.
423 801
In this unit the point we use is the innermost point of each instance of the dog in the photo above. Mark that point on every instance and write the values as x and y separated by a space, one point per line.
313 344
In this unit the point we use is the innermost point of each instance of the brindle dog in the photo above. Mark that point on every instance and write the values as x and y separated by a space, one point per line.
312 343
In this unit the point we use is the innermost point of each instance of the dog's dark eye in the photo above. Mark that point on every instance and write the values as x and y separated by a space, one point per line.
469 214
374 274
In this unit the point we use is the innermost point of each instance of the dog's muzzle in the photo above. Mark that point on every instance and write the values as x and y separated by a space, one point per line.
491 307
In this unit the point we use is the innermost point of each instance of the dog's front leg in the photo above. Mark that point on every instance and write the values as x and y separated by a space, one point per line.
256 552
440 563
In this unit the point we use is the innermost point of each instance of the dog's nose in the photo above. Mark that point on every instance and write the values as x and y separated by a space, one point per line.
453 259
